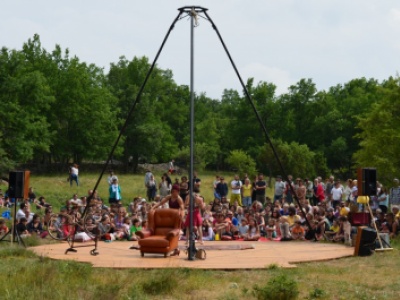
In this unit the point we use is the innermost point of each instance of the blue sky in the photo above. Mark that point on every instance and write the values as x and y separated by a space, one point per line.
330 41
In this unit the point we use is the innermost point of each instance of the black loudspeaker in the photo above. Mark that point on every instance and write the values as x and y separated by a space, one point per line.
365 243
16 182
366 181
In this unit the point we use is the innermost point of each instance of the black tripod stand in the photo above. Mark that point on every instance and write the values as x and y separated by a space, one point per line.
194 13
13 233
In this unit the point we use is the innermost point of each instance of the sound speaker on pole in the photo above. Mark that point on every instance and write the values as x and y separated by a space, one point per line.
366 181
365 241
18 184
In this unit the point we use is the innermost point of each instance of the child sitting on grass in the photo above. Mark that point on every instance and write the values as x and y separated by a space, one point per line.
243 228
254 233
271 229
298 231
284 228
344 233
333 230
136 226
3 227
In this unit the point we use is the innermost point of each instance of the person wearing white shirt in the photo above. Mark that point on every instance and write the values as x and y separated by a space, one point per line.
236 186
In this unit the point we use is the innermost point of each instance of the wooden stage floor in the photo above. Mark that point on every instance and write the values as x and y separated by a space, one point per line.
285 254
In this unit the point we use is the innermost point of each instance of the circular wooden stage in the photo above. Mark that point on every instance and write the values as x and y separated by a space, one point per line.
223 255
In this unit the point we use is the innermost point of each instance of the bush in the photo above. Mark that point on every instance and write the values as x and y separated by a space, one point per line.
278 288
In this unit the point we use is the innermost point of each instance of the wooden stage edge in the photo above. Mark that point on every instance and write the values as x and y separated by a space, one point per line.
284 254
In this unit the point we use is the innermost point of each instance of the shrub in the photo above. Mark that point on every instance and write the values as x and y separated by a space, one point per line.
278 288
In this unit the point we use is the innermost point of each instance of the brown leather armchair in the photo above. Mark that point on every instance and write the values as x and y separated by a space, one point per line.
162 233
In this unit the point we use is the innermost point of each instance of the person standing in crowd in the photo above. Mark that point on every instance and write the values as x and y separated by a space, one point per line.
279 188
222 188
236 186
336 194
319 195
260 186
73 174
151 188
183 187
147 177
111 177
216 181
395 193
288 196
164 187
115 193
328 189
310 191
247 190
196 180
301 193
383 200
171 169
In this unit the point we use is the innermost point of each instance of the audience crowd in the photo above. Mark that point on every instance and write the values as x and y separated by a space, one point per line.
300 209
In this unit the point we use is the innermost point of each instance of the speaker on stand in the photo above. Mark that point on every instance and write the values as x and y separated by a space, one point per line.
18 188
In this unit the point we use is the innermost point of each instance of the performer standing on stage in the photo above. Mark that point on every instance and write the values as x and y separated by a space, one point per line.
197 220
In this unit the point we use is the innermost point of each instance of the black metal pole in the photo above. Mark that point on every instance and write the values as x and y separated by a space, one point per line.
191 251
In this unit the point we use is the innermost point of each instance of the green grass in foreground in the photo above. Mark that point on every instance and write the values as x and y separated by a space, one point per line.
27 276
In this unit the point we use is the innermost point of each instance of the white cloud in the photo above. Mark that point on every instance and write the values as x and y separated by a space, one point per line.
276 41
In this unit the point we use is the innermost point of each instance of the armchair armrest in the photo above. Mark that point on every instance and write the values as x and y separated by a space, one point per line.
144 233
173 233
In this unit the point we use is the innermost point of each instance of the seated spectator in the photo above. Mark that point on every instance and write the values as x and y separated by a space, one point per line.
284 228
21 228
292 216
298 232
136 226
3 227
333 230
222 225
259 218
208 233
105 227
207 215
243 228
234 221
345 230
285 210
253 234
396 212
344 209
271 229
239 214
216 205
35 227
47 215
392 225
21 211
41 203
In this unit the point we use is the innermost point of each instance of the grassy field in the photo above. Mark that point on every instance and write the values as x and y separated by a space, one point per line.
27 276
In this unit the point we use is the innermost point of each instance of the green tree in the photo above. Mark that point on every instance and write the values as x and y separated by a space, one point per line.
242 162
25 98
379 137
296 159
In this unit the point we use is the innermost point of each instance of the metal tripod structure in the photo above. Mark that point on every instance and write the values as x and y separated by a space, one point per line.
194 13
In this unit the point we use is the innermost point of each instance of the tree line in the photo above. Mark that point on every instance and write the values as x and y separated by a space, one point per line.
56 109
